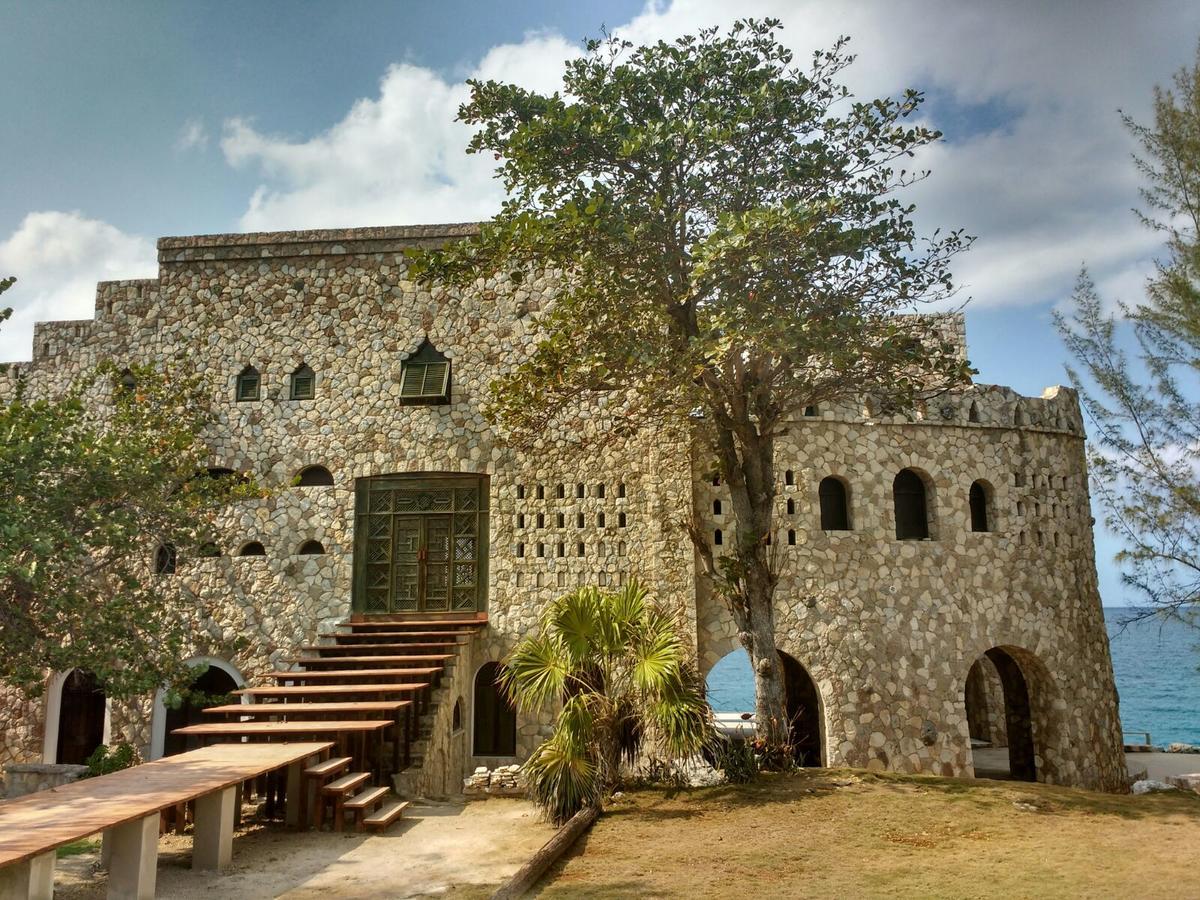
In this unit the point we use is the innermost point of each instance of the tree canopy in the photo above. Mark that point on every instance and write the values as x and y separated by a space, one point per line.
1145 411
731 247
95 479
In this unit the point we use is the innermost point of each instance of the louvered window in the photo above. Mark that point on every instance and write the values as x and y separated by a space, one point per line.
248 384
304 384
425 377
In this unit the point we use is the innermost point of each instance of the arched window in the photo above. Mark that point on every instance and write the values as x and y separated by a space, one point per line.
1019 415
311 548
973 412
253 548
304 383
315 476
495 720
425 376
248 384
912 517
456 721
789 477
979 497
835 510
165 559
810 411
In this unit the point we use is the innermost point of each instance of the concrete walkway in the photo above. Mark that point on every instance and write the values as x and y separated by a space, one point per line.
442 849
1158 766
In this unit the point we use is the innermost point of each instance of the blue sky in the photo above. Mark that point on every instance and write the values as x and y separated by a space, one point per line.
126 121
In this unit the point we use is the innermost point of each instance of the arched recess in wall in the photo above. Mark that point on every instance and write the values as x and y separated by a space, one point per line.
215 680
495 721
314 476
77 718
311 548
803 712
910 499
979 498
834 498
1008 704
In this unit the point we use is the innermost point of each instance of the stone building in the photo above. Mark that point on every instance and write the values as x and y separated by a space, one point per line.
939 580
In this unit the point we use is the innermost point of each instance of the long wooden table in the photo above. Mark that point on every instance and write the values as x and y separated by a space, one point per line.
351 735
126 805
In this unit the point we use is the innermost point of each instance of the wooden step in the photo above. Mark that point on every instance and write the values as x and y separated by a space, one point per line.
367 799
390 661
424 673
413 625
398 637
304 710
283 729
329 767
395 688
430 647
346 784
362 803
386 814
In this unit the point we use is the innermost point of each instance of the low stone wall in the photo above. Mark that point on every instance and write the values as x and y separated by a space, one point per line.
505 781
27 778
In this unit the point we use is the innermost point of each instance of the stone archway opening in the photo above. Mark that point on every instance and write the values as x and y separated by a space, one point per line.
730 689
211 687
81 713
1000 718
803 711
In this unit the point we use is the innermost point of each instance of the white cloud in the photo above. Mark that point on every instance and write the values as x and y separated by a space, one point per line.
192 136
1046 191
57 258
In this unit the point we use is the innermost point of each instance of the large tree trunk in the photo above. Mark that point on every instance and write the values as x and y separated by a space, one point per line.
747 458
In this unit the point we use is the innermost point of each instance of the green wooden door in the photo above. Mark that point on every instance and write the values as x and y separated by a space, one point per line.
420 544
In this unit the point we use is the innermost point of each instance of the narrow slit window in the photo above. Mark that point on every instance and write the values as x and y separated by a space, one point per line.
718 538
978 501
789 477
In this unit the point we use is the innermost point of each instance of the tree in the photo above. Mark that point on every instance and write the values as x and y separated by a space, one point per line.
94 480
731 250
1146 413
617 664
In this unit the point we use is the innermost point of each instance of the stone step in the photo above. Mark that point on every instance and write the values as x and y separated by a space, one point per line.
396 637
422 647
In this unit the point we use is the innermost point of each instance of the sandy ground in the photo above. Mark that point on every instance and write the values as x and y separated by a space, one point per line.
444 849
843 834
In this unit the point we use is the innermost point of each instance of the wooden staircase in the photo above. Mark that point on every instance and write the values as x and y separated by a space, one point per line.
368 686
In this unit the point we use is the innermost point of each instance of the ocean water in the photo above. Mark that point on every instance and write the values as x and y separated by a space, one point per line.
1157 667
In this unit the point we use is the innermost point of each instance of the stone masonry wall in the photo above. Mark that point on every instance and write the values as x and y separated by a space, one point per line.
887 629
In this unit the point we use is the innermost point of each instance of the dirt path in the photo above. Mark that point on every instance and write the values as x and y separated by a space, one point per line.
447 849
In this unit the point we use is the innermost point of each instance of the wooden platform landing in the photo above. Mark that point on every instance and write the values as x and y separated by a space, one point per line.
40 822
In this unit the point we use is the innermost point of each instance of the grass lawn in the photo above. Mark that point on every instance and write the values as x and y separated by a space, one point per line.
834 833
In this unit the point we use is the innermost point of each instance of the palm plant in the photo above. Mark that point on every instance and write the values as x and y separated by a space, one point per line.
616 663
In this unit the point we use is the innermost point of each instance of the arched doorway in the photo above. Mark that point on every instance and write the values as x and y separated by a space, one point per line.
495 732
213 686
803 711
999 718
81 712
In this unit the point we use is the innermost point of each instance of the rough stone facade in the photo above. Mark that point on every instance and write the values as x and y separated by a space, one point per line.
887 629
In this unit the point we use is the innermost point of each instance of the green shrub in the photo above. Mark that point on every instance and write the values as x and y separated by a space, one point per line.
106 760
